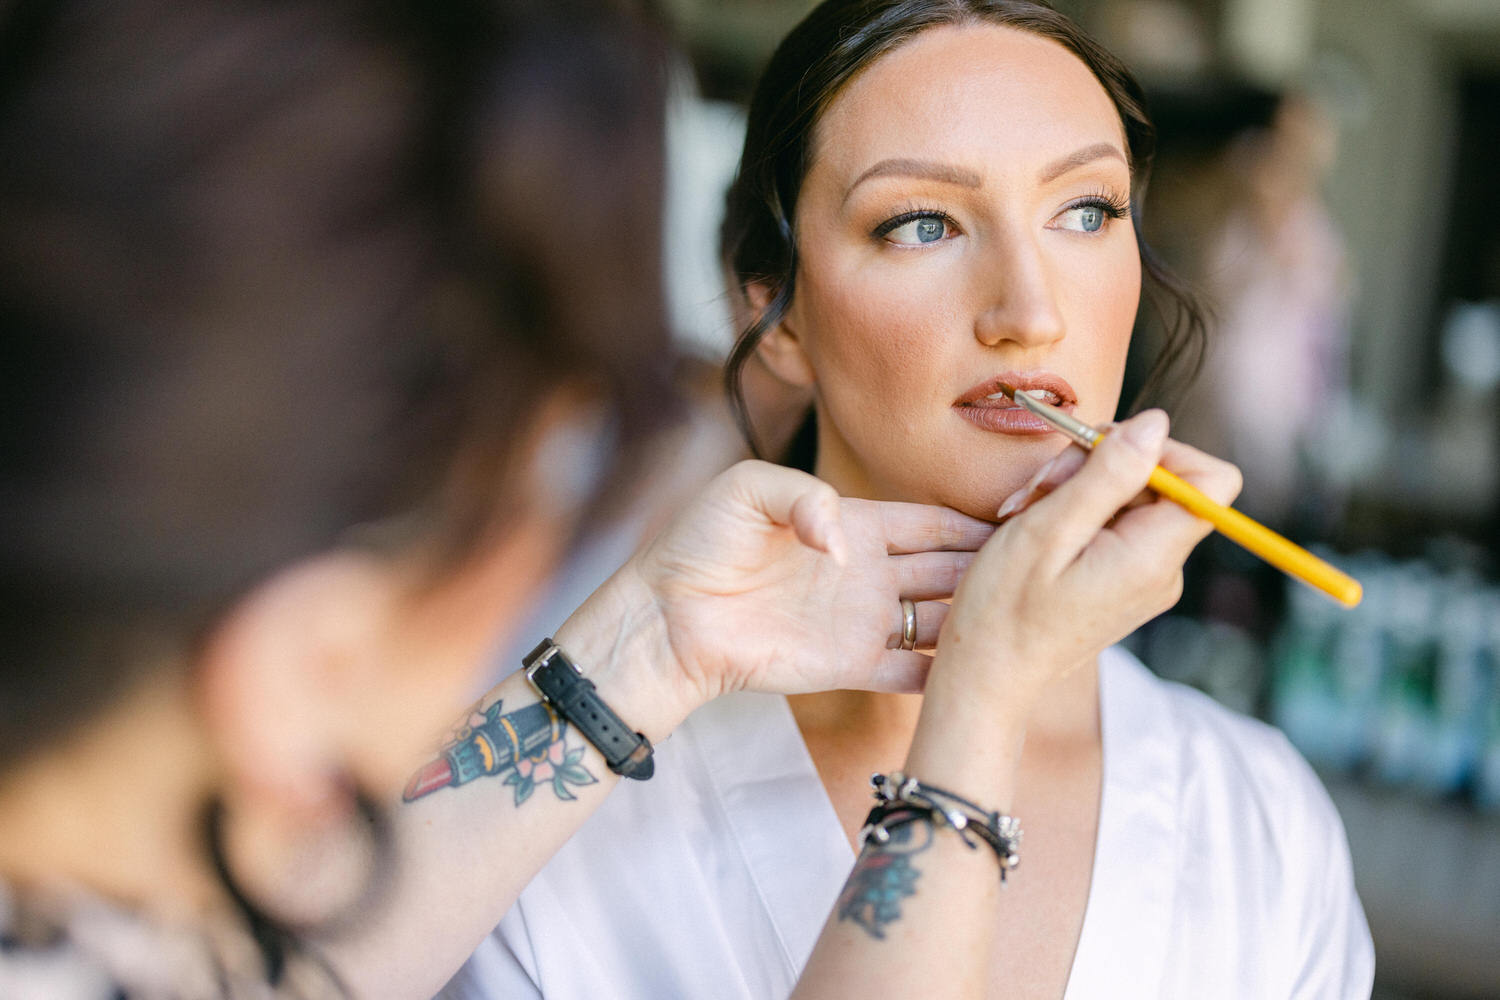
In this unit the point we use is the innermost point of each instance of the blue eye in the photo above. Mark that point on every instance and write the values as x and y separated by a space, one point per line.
1090 216
915 229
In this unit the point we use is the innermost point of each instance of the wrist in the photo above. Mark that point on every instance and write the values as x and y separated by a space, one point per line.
619 641
972 729
977 686
980 760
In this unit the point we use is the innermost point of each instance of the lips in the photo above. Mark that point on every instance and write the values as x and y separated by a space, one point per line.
1006 417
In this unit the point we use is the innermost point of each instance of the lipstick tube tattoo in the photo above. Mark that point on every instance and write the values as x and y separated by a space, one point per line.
491 747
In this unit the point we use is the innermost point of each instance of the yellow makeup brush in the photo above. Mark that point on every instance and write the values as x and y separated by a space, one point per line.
1255 537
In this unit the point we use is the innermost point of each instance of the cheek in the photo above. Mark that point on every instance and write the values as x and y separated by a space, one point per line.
1101 314
1120 298
873 329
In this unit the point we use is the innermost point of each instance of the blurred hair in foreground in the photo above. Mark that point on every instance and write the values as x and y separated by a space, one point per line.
274 270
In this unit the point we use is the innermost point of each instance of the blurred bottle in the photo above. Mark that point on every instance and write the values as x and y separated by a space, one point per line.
1464 666
1407 718
1359 653
1487 770
1305 701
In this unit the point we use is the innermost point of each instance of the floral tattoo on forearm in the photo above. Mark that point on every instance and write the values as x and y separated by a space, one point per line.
528 746
883 876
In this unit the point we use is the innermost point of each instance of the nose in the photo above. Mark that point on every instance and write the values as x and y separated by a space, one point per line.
1019 303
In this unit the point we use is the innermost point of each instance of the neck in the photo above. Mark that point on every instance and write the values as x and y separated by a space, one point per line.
1068 712
116 808
837 466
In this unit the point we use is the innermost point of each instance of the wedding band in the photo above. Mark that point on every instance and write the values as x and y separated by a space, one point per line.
908 624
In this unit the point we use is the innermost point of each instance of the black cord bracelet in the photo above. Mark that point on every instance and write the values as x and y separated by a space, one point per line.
901 799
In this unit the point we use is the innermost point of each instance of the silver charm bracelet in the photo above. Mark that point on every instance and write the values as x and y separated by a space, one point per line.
901 799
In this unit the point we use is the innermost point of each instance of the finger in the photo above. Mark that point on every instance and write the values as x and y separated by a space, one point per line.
789 497
816 519
915 527
927 575
1219 479
896 670
1160 531
1165 524
930 618
1057 471
1114 473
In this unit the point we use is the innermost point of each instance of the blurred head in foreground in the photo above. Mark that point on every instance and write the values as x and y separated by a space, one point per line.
299 303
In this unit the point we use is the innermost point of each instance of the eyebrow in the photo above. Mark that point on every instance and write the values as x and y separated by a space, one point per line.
924 169
1088 154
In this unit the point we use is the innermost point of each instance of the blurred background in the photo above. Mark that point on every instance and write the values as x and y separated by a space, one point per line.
1326 182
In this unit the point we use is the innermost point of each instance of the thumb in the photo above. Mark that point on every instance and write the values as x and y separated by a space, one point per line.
789 497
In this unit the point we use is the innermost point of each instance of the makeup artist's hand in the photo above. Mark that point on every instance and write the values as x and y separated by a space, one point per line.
1085 558
770 581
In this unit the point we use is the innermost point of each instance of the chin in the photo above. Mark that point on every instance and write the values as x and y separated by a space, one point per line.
977 496
980 508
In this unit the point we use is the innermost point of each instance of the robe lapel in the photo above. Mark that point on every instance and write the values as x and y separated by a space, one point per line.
1122 950
781 817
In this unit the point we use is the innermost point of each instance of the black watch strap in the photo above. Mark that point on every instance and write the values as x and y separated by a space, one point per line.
559 681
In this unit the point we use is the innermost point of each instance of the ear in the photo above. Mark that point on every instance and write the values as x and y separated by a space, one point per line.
781 351
275 674
351 665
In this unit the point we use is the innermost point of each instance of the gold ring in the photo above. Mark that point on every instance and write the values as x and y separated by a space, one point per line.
908 624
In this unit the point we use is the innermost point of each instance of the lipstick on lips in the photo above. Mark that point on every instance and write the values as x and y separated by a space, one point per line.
986 406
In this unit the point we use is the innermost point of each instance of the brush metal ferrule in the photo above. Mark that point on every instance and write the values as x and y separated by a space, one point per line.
1081 433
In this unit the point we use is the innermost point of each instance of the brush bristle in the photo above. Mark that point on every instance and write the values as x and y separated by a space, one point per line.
1008 389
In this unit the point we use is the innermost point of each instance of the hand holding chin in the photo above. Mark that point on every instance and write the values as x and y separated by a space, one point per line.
770 581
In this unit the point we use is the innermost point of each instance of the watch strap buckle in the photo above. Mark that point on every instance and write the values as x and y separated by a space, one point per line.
573 697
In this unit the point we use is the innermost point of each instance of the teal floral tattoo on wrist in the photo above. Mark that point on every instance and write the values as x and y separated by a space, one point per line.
883 876
529 746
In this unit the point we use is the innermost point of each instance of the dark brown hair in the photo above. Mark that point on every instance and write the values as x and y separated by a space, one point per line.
272 269
813 63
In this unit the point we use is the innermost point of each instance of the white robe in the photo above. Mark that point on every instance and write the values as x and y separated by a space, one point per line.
1221 868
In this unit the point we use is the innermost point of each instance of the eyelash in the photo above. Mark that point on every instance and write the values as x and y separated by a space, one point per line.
1113 205
896 222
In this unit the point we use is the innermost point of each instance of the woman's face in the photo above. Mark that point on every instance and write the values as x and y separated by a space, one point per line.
964 220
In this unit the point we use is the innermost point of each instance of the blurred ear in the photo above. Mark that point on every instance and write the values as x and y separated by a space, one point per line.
276 676
351 665
781 351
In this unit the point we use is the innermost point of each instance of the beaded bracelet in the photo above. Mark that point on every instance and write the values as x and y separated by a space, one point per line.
901 799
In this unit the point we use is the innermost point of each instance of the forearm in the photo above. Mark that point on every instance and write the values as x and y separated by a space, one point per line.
486 813
917 918
919 914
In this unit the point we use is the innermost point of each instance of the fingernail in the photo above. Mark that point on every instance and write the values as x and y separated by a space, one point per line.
1020 496
1147 431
